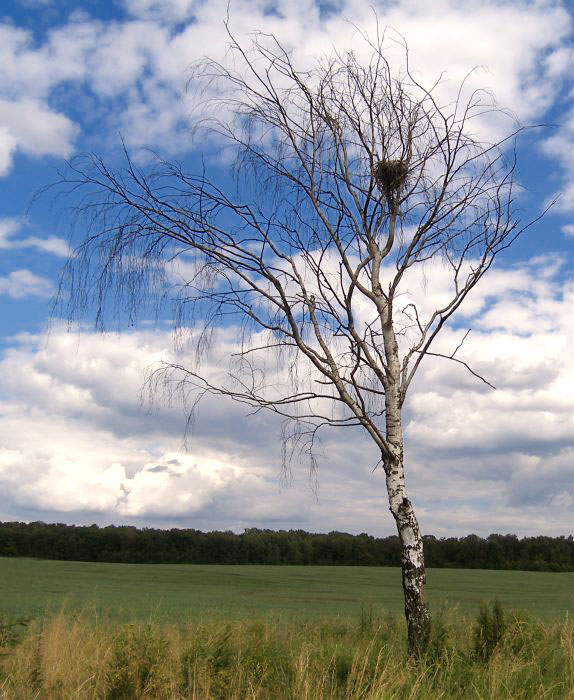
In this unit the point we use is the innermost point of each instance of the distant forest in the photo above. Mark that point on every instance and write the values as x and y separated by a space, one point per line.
132 545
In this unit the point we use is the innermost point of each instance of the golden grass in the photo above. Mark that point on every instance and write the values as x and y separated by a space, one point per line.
81 657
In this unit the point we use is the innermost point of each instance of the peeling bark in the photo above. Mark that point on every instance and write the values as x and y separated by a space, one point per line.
412 561
412 555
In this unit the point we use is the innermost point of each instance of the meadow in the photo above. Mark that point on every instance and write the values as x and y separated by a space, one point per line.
30 587
116 632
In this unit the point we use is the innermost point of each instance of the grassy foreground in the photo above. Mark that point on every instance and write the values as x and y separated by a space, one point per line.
81 657
122 632
29 587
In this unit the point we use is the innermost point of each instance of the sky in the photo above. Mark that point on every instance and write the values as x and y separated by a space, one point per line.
77 442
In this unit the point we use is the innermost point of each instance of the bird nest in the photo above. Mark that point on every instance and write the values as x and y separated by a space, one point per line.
391 175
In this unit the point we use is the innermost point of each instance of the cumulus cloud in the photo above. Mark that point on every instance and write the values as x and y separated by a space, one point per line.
35 129
76 439
505 449
74 436
92 448
190 485
60 483
9 241
137 66
7 148
161 10
32 70
523 66
21 284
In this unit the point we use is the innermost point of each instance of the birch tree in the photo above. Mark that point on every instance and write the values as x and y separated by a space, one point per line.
333 184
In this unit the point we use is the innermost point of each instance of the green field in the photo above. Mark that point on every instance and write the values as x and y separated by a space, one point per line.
170 593
192 632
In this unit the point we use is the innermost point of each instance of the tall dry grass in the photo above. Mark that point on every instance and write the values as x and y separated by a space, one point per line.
81 657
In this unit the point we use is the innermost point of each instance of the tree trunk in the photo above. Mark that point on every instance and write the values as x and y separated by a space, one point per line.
412 560
412 557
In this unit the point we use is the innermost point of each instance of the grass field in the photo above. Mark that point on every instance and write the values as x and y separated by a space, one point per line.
80 656
160 632
28 587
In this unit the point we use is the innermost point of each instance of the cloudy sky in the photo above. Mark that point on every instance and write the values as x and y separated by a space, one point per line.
76 444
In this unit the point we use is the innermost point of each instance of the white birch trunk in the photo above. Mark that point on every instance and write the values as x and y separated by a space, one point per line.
412 556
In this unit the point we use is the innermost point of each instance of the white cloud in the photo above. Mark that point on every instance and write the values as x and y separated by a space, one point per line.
77 441
36 129
8 240
33 128
568 230
8 227
51 244
187 482
161 10
91 447
137 68
21 284
561 147
7 148
32 71
63 484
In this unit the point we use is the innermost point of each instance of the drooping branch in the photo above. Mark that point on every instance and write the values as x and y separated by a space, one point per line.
348 177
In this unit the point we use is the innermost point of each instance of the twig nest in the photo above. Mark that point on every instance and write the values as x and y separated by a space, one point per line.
391 175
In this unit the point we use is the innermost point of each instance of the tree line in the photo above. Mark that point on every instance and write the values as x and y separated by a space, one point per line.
128 544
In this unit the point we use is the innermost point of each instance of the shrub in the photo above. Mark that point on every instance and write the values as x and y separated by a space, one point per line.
11 629
488 630
138 661
212 658
343 665
440 642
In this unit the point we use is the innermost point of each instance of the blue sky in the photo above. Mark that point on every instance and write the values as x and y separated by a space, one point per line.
75 443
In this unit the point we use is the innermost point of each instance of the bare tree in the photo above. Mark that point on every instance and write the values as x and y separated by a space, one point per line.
346 177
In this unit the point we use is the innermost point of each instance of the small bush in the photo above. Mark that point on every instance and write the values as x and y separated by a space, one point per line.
440 642
342 669
138 660
11 629
212 658
488 630
523 636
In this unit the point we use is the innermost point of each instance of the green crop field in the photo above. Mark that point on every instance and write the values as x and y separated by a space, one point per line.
87 630
170 593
